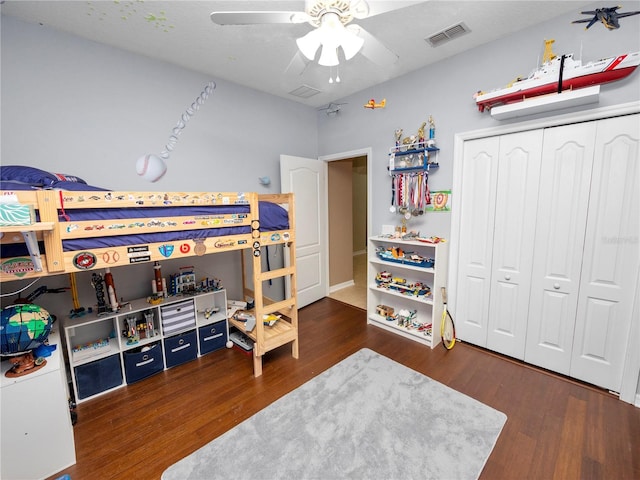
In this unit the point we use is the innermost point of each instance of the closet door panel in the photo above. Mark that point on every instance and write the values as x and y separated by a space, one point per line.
513 240
563 198
477 206
611 257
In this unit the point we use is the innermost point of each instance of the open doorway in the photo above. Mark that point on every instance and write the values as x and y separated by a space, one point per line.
347 210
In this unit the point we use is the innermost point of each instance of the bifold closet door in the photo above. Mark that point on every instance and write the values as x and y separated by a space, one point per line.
513 241
476 211
611 256
563 200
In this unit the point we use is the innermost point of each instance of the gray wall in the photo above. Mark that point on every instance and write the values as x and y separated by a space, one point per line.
445 91
78 107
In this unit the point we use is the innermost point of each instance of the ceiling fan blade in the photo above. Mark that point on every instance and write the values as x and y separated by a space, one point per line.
297 65
373 48
257 18
380 6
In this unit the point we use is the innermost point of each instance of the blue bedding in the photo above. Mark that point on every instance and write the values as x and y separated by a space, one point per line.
13 177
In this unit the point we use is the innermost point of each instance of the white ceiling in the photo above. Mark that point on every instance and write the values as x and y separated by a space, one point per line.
257 56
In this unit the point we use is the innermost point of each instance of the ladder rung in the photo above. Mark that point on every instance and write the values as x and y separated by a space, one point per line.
287 305
281 272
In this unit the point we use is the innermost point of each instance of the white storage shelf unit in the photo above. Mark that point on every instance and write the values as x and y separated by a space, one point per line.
428 307
36 430
102 358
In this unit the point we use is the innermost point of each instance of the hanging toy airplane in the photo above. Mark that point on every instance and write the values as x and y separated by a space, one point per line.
608 16
372 104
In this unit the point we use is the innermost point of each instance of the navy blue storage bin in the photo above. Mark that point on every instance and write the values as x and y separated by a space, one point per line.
212 337
180 348
98 376
139 365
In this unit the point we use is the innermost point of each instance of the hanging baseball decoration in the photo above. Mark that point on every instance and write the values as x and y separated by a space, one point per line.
152 167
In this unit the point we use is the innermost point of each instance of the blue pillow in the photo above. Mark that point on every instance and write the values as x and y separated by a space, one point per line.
34 176
13 186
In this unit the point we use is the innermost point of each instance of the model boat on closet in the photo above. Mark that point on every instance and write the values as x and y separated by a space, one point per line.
557 74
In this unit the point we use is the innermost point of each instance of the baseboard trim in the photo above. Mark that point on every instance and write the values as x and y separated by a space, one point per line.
637 402
340 286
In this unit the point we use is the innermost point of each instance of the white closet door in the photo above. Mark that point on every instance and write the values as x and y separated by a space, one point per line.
562 212
610 263
513 239
476 207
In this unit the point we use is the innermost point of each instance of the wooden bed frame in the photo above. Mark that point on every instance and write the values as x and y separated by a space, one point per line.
52 229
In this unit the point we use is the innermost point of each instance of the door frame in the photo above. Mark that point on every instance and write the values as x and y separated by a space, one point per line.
361 152
631 369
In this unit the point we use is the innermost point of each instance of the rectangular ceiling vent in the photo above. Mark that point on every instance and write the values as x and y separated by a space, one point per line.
447 34
304 91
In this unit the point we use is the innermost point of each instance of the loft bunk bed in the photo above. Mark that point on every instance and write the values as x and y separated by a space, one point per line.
88 228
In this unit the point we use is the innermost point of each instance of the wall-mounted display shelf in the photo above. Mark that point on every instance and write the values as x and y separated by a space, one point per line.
412 159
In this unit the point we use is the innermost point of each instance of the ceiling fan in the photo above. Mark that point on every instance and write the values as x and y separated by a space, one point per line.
333 30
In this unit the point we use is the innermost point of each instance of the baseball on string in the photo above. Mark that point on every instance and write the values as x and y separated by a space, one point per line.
151 167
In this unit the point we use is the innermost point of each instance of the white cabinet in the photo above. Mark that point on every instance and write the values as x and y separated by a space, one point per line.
107 351
406 291
37 435
547 247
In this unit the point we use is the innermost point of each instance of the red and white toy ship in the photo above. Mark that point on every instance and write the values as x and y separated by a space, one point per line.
558 74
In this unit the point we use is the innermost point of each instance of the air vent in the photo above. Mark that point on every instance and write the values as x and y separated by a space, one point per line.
304 91
447 34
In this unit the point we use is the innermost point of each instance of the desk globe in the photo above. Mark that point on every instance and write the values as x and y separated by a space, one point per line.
23 328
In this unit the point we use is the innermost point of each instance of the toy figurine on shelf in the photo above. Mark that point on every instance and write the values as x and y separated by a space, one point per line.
96 282
432 132
148 317
398 134
421 135
131 333
158 284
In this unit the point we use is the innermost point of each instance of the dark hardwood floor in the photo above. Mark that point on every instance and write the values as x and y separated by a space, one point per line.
556 428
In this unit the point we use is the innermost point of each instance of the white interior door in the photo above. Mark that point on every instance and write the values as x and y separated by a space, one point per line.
611 256
307 179
474 211
562 214
513 239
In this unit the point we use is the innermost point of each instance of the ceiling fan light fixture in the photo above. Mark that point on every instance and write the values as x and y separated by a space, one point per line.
309 44
331 34
329 56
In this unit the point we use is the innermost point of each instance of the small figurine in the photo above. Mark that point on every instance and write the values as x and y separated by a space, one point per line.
421 136
96 282
398 134
432 128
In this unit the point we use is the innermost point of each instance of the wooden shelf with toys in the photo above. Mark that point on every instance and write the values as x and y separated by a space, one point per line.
117 344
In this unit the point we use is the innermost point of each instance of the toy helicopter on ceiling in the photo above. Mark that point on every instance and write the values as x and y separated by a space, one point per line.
608 16
332 109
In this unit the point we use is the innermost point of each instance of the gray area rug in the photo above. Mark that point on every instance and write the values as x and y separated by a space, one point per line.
366 417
